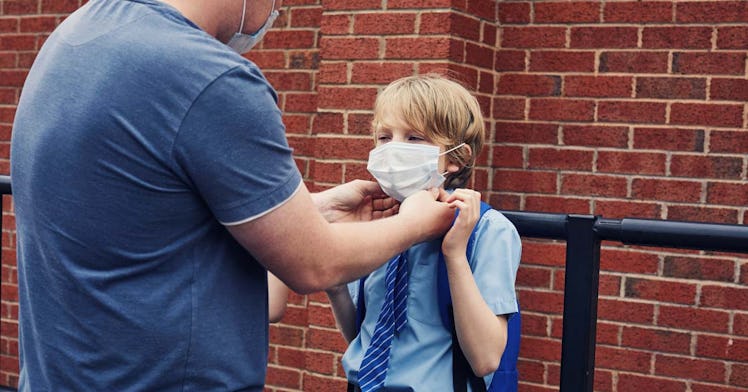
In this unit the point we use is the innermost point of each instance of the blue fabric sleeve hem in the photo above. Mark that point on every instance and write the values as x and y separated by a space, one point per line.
503 307
261 205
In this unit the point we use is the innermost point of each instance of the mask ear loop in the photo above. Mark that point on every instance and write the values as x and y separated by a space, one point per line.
463 133
450 150
461 144
244 12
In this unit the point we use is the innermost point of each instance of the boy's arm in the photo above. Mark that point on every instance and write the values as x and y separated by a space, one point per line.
343 310
277 298
481 334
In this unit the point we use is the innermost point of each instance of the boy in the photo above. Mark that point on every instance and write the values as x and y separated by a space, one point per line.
429 131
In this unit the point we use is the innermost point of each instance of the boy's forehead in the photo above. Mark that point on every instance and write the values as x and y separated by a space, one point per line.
393 118
390 112
396 115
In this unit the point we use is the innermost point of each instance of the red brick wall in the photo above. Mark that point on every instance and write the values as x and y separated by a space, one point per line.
617 108
632 109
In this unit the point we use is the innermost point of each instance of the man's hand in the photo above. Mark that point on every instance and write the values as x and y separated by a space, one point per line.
433 217
357 200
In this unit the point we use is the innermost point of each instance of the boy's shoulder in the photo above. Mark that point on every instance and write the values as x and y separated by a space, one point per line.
494 235
494 220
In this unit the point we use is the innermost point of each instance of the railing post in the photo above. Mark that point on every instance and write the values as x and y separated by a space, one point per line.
1 245
4 190
580 304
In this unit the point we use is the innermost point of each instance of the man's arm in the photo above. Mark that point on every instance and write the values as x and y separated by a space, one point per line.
297 244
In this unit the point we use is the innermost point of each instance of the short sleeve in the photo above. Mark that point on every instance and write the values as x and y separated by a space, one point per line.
353 291
495 260
232 148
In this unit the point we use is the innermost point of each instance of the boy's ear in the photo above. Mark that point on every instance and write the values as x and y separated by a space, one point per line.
453 167
469 150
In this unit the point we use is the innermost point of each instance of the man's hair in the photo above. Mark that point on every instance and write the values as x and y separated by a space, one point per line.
440 109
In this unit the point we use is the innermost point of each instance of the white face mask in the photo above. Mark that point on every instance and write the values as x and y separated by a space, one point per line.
242 43
402 169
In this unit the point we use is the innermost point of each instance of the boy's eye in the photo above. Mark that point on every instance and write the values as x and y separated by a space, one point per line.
383 138
414 138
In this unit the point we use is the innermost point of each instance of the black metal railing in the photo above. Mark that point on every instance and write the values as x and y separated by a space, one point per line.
4 190
583 235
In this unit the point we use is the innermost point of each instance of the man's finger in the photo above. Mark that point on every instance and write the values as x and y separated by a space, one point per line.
442 194
384 203
371 188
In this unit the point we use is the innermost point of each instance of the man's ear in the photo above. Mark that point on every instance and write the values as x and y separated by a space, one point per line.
453 167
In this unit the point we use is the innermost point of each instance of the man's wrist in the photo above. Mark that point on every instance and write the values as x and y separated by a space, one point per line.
323 206
411 232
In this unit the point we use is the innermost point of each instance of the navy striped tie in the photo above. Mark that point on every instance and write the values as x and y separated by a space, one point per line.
392 318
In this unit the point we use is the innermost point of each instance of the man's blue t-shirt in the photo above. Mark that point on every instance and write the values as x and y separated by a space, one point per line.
137 137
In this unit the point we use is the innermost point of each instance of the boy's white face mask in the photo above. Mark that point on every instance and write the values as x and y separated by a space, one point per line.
242 43
402 169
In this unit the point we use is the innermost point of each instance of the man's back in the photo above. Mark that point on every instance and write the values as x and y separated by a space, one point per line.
126 279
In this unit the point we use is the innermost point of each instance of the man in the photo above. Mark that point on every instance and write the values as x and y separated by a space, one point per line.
153 188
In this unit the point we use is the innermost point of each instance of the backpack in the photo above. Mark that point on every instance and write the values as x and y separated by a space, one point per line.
505 378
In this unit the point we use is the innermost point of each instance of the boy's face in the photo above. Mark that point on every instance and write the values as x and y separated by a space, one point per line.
395 129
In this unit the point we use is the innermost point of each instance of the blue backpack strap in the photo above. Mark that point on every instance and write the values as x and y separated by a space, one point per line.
360 313
360 304
506 378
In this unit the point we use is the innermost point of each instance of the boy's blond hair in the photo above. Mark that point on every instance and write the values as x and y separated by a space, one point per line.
443 111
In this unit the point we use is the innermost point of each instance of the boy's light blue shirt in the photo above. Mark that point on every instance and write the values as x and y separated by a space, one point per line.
421 358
